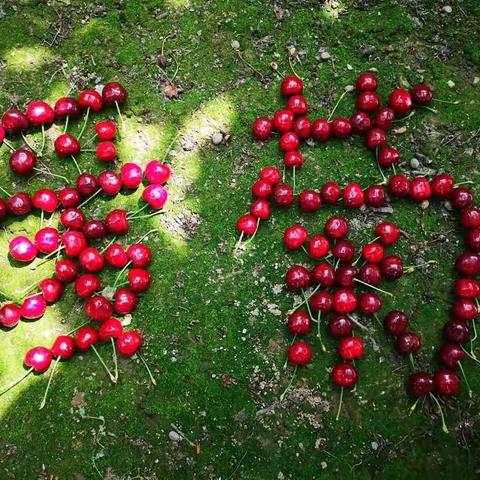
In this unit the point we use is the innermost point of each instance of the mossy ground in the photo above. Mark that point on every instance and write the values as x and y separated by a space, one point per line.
211 319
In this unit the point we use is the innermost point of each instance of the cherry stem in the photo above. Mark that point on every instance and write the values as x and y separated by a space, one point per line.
466 182
394 169
89 141
42 214
131 215
294 181
283 174
44 399
291 343
65 128
77 328
470 354
238 242
412 268
373 287
375 316
339 405
170 145
412 360
5 192
143 237
254 233
336 105
40 154
308 305
28 143
289 386
319 332
76 164
414 406
51 174
84 124
112 378
121 273
91 197
456 102
120 114
16 382
402 119
430 109
444 425
158 212
357 323
384 179
9 145
460 366
295 307
152 378
46 258
291 66
115 361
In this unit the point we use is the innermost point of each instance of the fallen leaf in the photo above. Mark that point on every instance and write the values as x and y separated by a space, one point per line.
228 380
170 90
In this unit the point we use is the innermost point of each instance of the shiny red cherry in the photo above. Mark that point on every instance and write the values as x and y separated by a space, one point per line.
106 151
340 326
466 288
86 184
345 276
468 263
344 251
447 383
246 224
375 196
422 94
336 227
22 249
341 127
98 308
14 121
294 237
66 270
72 218
63 347
262 189
117 221
420 189
361 122
139 280
262 128
368 101
318 247
74 242
330 193
52 289
465 309
91 260
353 196
369 303
399 186
110 182
373 252
22 161
395 322
370 273
85 338
283 195
470 217
116 256
300 353
407 342
344 375
19 203
45 199
125 301
270 175
472 239
131 175
400 101
39 113
39 359
297 277
456 331
420 384
442 185
321 302
366 82
106 130
156 196
291 86
450 355
66 145
293 158
289 141
111 328
302 127
260 209
388 232
94 229
461 197
90 99
309 201
351 348
321 129
140 255
66 107
283 121
86 285
344 301
323 274
297 104
33 307
114 93
299 323
384 118
128 343
392 267
375 138
157 172
387 156
10 315
69 197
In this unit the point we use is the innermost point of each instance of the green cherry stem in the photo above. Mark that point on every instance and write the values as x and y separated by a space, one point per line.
336 105
84 124
373 287
470 392
16 382
152 378
44 399
91 197
65 128
289 386
444 425
319 331
112 378
115 361
76 164
337 418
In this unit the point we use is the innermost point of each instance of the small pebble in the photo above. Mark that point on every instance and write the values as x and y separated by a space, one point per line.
174 436
349 88
476 80
451 83
325 56
447 9
217 138
414 163
235 44
424 205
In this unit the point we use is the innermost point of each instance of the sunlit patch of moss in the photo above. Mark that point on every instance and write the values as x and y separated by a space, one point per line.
24 59
178 4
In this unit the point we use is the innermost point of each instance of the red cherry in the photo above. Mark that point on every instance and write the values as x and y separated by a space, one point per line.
106 130
407 342
420 384
111 328
323 274
139 280
91 260
45 199
85 338
330 193
392 267
283 195
351 348
110 182
114 93
369 303
72 218
117 221
321 129
291 86
361 122
340 326
66 270
39 359
66 107
262 128
283 121
336 227
456 331
10 315
156 196
86 184
465 309
246 224
67 145
140 255
69 197
297 104
14 121
125 301
52 289
86 285
345 276
399 186
375 196
368 101
450 354
74 242
395 322
95 229
370 273
400 101
116 256
22 249
472 239
90 99
384 118
309 201
270 175
293 159
442 185
388 232
344 251
297 277
106 151
3 209
260 209
461 197
353 196
387 156
375 138
158 172
19 203
318 247
468 263
366 82
470 217
344 301
262 189
299 323
447 383
467 288
420 189
422 94
128 343
289 141
39 113
373 252
300 353
33 307
98 308
294 237
302 127
344 375
22 161
341 127
63 347
321 302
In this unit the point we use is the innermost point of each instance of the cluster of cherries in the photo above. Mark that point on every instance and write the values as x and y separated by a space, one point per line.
373 121
82 261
